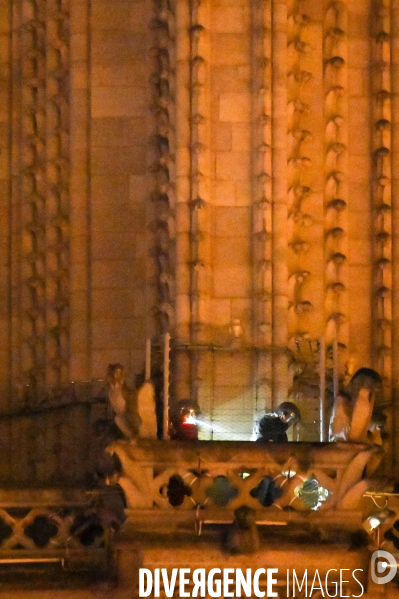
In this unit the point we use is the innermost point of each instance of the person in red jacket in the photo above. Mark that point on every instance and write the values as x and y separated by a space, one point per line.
184 420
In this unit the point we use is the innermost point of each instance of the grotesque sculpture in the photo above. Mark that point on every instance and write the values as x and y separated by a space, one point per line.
134 409
123 401
352 411
146 405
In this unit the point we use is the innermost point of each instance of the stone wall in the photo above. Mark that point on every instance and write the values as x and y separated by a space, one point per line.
224 171
76 117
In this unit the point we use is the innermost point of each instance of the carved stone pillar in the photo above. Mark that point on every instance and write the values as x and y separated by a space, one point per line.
262 199
382 189
336 170
6 67
80 188
279 201
183 236
40 196
393 18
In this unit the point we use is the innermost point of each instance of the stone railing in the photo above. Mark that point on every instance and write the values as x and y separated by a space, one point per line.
206 481
52 526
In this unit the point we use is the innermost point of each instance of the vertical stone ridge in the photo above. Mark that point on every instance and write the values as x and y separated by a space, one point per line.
336 171
57 229
80 295
279 204
200 185
381 187
41 196
199 170
261 135
394 33
6 66
184 118
17 133
164 194
32 195
299 172
5 200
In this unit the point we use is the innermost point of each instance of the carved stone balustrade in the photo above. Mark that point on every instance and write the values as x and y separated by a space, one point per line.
204 482
52 526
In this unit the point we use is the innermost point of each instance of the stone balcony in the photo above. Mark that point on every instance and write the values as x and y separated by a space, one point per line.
51 538
286 481
309 503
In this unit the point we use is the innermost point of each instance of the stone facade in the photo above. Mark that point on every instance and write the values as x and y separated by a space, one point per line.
223 171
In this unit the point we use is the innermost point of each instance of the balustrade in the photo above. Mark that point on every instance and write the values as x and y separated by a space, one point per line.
53 526
320 483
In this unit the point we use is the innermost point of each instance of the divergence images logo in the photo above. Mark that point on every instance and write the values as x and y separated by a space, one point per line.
383 562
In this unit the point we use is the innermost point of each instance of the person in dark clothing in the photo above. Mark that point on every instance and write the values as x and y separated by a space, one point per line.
273 427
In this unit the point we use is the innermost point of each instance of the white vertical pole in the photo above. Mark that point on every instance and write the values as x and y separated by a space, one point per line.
147 359
322 386
166 376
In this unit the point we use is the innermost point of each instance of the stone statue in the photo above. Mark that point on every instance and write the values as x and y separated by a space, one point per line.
123 401
146 405
134 409
352 411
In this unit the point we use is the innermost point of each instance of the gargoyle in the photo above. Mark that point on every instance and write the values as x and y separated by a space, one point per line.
134 408
123 401
351 417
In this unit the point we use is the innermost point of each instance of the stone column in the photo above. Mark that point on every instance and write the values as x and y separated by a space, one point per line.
305 150
29 189
57 201
394 23
381 197
261 134
336 171
80 185
279 201
6 62
200 185
184 120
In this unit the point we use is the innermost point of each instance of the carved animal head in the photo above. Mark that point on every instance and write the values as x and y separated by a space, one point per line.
365 378
378 420
115 374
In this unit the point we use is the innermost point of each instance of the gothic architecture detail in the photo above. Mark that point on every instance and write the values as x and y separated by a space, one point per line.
204 191
164 168
381 190
262 193
221 172
336 175
40 208
300 185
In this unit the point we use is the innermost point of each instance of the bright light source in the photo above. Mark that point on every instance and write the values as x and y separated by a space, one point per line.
190 418
288 473
373 522
311 493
